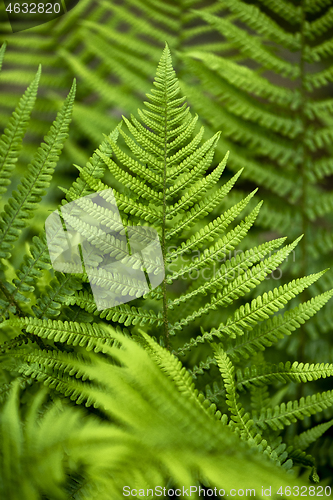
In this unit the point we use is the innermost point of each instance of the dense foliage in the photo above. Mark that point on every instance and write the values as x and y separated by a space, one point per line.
207 359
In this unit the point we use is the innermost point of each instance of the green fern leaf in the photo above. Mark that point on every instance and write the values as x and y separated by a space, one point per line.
284 372
286 414
20 207
306 438
276 328
319 26
10 142
2 53
71 333
238 415
123 313
249 46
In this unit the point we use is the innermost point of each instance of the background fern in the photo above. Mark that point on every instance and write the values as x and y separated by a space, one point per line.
275 96
282 113
75 42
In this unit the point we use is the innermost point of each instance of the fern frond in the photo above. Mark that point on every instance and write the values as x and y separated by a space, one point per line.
239 286
221 247
2 53
285 9
201 209
320 52
117 283
323 167
244 79
71 333
29 271
164 174
319 26
283 372
135 166
236 265
211 231
11 140
238 415
171 419
316 5
133 183
125 203
286 414
129 206
53 367
318 79
321 207
306 438
172 367
275 147
94 167
107 92
22 203
264 306
249 46
197 171
301 458
123 313
276 328
55 294
260 397
197 191
263 335
263 24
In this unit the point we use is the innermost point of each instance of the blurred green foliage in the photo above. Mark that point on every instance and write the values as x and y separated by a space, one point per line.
258 71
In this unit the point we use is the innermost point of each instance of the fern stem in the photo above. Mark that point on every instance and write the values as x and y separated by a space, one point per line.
303 166
10 299
164 283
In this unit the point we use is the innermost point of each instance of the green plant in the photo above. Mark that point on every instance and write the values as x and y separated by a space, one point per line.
163 175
